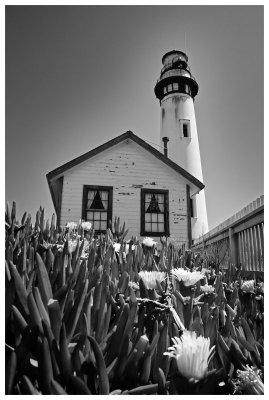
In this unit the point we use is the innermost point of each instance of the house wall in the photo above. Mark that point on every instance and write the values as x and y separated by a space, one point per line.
128 168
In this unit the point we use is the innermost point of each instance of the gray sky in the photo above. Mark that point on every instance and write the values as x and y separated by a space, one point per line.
77 76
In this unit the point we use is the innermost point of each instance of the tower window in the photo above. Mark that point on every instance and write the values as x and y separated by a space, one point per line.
187 89
165 89
97 206
154 212
170 88
185 130
175 86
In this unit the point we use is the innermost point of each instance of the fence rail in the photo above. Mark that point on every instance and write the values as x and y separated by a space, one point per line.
238 240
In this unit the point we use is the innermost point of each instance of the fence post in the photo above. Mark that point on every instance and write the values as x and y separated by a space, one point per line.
233 247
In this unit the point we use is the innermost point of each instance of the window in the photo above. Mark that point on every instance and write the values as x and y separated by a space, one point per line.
97 206
185 131
165 89
187 89
170 88
154 212
175 86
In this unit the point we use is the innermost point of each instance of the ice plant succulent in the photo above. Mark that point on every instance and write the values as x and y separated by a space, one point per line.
248 286
260 287
150 278
148 242
249 381
72 245
192 354
117 247
187 277
207 289
71 225
86 225
133 285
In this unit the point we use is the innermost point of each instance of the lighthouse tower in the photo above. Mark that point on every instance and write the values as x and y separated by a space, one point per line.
176 89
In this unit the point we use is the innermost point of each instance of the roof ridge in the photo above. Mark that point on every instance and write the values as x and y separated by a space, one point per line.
126 135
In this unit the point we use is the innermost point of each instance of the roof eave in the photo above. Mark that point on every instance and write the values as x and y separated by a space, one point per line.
127 135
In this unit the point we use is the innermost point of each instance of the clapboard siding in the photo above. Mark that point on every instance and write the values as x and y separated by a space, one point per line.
127 167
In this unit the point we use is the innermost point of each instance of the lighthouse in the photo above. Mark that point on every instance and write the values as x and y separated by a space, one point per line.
176 89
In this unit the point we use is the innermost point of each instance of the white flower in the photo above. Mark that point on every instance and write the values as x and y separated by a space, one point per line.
133 285
85 250
117 247
248 286
206 271
187 277
149 242
192 355
207 289
72 245
133 247
249 381
86 225
71 225
150 278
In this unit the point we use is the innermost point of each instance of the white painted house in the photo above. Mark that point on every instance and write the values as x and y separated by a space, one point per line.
155 194
128 178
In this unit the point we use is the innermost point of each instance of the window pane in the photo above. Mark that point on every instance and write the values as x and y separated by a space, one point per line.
103 225
161 207
160 198
91 194
160 227
147 197
154 227
104 195
89 216
160 217
165 89
97 215
148 217
105 204
175 86
185 130
169 88
103 216
153 206
96 225
96 203
154 217
148 227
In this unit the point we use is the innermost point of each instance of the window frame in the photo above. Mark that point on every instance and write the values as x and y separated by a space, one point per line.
109 189
143 231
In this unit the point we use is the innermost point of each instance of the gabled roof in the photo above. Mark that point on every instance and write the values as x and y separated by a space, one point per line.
127 135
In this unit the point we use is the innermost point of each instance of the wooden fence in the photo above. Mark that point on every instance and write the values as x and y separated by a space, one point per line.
239 240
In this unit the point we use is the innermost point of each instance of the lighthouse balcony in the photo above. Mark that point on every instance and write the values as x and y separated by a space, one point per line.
176 72
174 65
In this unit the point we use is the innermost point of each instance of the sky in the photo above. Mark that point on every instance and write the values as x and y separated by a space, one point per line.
77 76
